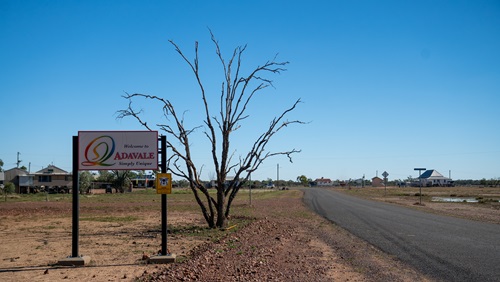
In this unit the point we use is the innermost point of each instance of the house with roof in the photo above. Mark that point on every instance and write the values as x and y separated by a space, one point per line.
53 179
20 178
324 182
377 182
432 177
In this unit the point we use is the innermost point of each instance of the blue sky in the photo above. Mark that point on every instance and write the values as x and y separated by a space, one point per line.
386 85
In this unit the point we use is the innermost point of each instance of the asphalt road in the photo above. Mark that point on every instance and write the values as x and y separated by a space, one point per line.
445 248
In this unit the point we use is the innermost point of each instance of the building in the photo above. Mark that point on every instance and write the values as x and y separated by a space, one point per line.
2 178
20 178
229 179
432 177
324 182
53 179
144 181
377 182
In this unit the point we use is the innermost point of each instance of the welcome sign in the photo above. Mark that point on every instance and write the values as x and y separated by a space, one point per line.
118 150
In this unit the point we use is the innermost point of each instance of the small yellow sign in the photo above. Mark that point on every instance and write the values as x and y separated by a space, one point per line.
163 183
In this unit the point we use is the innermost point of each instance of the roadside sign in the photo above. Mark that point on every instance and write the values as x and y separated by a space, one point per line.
163 183
117 150
385 174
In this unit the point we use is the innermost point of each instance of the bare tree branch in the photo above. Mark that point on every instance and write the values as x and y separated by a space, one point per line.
236 94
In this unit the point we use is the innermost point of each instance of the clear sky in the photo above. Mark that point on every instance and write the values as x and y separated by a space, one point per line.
386 85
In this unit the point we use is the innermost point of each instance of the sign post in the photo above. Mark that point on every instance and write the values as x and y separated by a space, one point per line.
385 174
76 201
107 150
163 187
420 181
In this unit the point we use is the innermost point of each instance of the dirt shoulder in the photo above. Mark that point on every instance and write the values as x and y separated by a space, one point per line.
287 242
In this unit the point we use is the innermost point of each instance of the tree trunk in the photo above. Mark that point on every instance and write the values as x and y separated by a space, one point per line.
221 217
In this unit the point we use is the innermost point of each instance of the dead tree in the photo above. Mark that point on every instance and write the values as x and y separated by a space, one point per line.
237 92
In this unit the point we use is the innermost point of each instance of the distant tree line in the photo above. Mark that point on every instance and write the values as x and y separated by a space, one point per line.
493 182
120 180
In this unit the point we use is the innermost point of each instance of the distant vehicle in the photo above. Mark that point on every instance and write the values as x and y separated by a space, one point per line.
109 189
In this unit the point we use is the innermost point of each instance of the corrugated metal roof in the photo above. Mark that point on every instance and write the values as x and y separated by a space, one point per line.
432 174
52 169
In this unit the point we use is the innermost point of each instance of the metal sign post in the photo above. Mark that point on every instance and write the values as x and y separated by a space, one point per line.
385 174
76 200
420 181
75 259
109 150
163 186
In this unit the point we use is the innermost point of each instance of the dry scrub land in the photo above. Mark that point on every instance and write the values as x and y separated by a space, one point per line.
275 239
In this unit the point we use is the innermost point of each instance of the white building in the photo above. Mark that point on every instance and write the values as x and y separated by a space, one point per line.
432 177
324 182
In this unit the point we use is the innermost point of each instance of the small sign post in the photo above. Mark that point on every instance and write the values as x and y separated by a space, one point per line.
163 187
385 174
420 181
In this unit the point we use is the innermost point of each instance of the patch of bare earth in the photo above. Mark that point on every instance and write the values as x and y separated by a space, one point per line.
286 242
36 235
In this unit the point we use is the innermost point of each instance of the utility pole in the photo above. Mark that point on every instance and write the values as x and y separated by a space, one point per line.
18 160
250 186
277 175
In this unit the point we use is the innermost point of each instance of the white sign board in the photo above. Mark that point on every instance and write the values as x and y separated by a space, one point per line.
118 150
